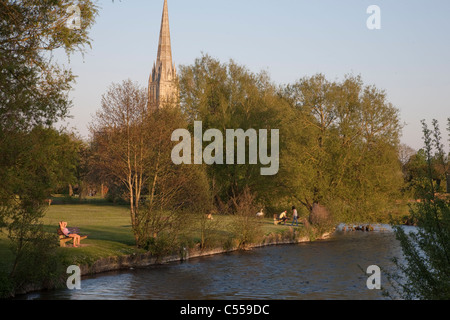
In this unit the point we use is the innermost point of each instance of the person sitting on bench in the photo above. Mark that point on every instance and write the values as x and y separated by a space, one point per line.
67 233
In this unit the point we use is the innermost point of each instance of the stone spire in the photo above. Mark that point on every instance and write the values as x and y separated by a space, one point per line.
164 47
163 80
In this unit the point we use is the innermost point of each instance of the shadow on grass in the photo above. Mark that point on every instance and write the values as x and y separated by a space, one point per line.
95 201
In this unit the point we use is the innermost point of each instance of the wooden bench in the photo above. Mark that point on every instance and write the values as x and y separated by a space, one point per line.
63 239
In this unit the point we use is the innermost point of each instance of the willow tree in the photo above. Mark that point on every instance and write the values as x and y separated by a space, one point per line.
228 96
343 155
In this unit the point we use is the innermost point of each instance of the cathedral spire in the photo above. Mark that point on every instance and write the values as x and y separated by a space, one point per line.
162 85
164 57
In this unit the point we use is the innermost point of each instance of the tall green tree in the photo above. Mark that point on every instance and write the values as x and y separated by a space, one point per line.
229 96
338 139
44 157
343 152
33 96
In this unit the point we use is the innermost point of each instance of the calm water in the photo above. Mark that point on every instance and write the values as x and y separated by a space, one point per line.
320 270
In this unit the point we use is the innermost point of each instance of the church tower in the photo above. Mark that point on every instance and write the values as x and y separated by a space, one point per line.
163 87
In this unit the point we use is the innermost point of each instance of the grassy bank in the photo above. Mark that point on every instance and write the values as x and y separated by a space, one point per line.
110 234
110 243
107 226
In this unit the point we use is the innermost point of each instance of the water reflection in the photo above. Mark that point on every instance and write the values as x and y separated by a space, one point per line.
329 269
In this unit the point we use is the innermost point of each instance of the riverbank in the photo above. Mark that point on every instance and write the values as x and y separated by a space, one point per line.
318 270
144 260
110 244
119 263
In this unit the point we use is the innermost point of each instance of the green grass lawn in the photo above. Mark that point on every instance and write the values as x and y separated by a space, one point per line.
108 228
109 231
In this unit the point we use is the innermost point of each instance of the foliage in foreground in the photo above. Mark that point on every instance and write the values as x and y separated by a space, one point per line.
33 96
424 270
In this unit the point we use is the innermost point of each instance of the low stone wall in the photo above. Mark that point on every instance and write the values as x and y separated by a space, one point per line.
145 260
118 263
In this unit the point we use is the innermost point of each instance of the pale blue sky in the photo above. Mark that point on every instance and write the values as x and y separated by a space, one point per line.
408 57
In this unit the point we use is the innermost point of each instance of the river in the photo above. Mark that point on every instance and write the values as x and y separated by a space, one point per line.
329 269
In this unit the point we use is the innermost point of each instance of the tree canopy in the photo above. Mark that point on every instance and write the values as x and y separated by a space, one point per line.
338 139
343 151
33 96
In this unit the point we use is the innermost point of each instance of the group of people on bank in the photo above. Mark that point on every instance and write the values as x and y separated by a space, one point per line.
283 217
